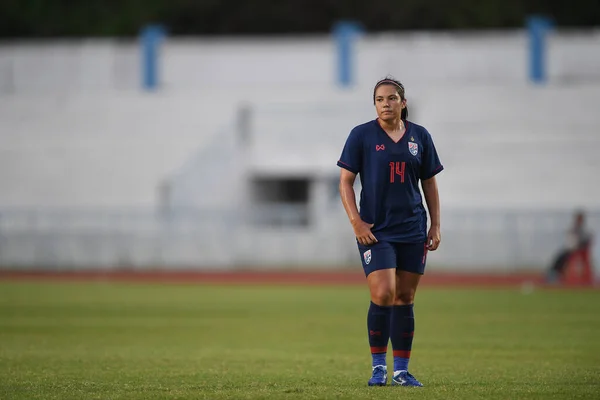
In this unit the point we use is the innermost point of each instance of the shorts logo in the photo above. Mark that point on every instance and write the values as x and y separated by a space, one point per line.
413 148
367 256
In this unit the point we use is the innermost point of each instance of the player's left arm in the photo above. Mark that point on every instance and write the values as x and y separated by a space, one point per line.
430 167
432 198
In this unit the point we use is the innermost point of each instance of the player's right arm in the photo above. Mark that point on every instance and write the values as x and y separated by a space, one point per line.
362 230
351 164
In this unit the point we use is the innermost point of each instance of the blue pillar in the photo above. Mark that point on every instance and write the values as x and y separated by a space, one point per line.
344 33
537 27
150 38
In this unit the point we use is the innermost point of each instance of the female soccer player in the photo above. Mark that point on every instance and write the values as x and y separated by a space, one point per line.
391 155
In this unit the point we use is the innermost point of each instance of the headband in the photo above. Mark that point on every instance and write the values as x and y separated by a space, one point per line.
390 82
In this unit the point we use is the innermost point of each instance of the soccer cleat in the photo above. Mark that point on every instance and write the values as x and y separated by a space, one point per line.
404 378
379 377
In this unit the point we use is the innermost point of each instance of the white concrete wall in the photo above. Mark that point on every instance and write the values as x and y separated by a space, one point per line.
540 145
496 57
77 133
94 151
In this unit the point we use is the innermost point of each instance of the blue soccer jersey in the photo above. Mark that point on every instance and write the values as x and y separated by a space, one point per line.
389 174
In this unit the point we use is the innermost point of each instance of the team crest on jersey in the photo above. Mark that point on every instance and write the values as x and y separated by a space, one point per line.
413 148
367 256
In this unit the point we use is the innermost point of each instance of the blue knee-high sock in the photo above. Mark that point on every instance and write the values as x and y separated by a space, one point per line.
401 333
378 324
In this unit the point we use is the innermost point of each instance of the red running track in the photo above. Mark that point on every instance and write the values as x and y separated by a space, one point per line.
312 277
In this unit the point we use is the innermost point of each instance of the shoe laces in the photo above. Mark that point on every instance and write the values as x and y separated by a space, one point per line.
410 378
379 371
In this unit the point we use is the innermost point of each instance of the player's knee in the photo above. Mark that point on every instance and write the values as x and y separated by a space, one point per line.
383 296
404 297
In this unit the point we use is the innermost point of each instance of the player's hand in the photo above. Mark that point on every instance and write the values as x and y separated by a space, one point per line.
434 238
363 233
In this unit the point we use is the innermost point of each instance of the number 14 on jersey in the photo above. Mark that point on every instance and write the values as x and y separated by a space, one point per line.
397 168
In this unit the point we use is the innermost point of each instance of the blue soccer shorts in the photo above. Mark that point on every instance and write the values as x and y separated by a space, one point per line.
409 257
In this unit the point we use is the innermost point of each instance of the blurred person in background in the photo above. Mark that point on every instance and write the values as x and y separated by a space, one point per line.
391 155
579 239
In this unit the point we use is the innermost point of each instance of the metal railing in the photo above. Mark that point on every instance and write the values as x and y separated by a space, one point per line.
492 240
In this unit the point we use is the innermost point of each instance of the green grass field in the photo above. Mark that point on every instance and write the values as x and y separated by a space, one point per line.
125 341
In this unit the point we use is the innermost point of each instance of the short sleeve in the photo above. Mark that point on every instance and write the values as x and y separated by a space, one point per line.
351 158
430 162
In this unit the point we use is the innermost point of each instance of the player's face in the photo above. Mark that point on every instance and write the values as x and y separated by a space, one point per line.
388 103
